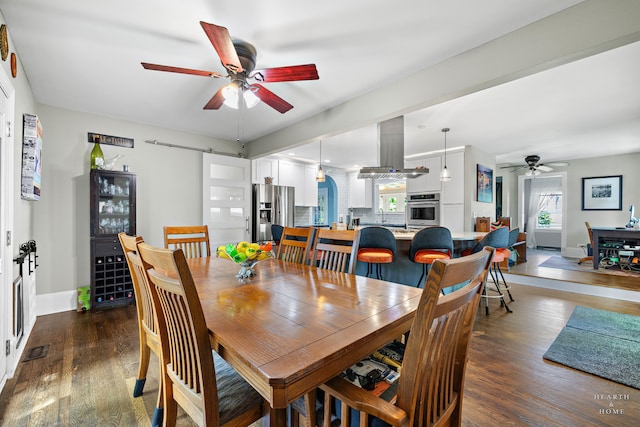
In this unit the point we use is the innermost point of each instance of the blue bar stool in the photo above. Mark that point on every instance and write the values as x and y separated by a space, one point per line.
377 247
428 245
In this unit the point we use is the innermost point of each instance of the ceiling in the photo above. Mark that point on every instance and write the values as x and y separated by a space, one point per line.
85 56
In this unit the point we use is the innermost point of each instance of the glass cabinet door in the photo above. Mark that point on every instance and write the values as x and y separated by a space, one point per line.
113 203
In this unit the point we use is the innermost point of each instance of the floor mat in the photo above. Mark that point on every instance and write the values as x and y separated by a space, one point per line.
587 267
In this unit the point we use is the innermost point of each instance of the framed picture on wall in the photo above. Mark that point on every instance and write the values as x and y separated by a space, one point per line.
485 184
602 193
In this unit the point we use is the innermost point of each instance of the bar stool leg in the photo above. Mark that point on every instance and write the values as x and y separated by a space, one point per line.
506 287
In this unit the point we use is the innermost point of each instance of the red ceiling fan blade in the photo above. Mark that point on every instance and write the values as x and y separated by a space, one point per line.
221 41
286 74
180 70
271 99
216 101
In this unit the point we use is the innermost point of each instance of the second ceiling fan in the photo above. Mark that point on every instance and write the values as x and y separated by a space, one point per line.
239 59
534 165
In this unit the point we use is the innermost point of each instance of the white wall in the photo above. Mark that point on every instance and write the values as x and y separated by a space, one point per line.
576 232
169 190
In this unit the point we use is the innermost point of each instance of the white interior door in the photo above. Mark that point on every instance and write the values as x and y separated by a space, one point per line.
226 186
7 108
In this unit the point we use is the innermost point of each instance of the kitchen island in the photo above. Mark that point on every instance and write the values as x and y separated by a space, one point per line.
402 269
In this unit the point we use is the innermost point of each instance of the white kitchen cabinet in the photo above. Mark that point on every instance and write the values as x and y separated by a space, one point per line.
427 183
453 191
310 186
452 217
360 192
303 179
263 167
292 175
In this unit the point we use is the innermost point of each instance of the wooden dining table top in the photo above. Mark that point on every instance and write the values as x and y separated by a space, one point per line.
292 327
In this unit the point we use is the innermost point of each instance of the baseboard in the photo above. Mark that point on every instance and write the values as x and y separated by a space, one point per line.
56 302
574 252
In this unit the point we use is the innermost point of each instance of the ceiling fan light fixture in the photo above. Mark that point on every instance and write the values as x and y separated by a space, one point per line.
230 94
444 174
250 98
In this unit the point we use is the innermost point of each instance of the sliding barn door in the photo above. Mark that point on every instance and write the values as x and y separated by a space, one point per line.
226 198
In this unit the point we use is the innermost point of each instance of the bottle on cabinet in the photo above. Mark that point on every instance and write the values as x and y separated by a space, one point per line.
97 158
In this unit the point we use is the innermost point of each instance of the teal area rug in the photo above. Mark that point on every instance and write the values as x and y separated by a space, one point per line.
602 343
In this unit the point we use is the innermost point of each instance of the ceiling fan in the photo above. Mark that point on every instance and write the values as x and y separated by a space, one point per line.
534 165
239 59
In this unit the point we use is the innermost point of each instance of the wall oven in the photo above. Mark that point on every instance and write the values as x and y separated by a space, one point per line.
423 210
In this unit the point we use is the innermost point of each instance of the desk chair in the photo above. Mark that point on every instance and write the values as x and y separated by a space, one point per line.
588 257
430 389
428 245
147 327
195 377
193 240
498 239
377 246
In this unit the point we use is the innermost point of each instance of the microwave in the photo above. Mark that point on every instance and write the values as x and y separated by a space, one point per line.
423 210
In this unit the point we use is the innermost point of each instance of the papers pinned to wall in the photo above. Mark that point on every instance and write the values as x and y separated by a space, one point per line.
31 158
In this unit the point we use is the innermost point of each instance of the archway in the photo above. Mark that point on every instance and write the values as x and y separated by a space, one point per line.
327 211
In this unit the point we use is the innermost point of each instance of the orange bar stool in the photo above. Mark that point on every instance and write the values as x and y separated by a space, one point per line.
377 247
499 239
428 245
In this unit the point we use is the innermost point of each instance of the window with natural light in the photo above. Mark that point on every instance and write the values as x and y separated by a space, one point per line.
550 214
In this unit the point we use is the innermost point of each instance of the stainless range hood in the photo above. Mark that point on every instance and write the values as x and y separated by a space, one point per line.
391 154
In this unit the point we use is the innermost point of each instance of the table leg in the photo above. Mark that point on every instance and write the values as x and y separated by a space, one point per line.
278 417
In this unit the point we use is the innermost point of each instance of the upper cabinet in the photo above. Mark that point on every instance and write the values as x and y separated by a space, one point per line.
429 182
302 178
261 168
310 186
360 192
453 191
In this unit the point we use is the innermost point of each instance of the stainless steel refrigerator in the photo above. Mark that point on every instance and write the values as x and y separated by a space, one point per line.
272 204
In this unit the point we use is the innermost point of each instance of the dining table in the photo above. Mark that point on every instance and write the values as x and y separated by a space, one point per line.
292 327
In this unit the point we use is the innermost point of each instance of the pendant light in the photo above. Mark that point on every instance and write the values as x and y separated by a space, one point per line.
444 175
320 174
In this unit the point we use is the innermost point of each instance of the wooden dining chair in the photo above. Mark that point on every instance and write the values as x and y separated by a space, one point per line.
336 249
147 327
295 244
192 239
430 388
195 377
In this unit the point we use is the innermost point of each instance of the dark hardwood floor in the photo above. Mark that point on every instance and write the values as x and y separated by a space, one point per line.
88 375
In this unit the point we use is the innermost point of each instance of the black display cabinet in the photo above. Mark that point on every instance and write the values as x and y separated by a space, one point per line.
113 210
